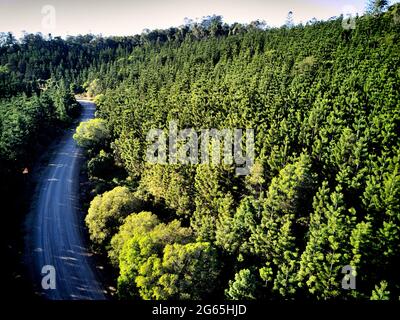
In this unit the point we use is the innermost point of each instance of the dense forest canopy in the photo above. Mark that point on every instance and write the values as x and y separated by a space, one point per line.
324 191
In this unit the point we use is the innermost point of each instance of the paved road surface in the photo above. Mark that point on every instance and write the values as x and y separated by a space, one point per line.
55 230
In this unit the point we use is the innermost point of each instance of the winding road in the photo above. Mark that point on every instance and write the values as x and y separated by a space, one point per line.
55 230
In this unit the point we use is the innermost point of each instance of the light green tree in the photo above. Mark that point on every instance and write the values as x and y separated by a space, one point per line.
91 134
328 248
234 229
108 211
168 184
243 287
274 239
142 255
185 271
134 224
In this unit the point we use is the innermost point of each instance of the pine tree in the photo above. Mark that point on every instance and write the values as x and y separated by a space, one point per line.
243 287
275 238
234 231
328 249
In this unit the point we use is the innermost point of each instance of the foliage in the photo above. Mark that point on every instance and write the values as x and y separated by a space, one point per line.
187 271
134 224
323 192
380 292
243 287
140 261
108 211
91 134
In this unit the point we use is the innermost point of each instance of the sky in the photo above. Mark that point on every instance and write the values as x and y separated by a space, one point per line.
128 17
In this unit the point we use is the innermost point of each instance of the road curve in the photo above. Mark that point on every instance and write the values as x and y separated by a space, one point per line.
55 229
